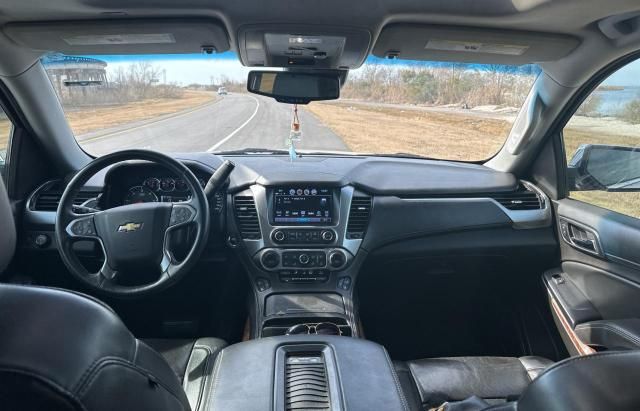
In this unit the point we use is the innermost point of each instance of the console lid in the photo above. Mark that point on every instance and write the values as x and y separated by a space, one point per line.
288 372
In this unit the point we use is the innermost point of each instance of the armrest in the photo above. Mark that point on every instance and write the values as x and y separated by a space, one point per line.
575 306
612 334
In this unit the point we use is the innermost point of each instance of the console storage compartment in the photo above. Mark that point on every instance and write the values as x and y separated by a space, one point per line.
274 374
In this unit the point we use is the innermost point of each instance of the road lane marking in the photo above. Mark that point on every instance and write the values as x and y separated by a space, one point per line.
149 122
233 133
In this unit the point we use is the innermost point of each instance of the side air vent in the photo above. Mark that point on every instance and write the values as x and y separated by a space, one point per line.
247 217
522 199
306 386
49 197
358 217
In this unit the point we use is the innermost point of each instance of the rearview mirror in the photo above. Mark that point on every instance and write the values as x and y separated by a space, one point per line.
604 167
294 87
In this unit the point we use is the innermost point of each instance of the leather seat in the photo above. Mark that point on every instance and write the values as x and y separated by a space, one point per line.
61 350
431 382
603 381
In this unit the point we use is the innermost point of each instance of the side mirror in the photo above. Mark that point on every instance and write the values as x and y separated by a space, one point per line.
295 87
604 167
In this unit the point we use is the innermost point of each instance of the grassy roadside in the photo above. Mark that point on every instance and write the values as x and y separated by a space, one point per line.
456 136
86 120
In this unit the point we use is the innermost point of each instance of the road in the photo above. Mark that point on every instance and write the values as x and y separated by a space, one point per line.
233 122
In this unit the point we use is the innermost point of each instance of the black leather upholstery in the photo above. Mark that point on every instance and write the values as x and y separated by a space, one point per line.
605 381
60 350
457 378
244 374
192 361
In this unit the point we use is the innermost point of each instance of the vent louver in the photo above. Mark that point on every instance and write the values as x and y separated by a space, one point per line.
247 217
306 386
49 198
358 217
522 199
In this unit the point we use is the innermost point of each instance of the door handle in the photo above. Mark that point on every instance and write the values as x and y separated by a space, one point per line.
580 237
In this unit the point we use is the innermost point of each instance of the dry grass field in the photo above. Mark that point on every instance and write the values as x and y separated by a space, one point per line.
456 136
380 129
86 120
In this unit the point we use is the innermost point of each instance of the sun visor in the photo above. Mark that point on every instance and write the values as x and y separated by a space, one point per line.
303 46
470 45
121 36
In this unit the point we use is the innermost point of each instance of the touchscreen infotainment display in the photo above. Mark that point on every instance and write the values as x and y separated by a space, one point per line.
302 205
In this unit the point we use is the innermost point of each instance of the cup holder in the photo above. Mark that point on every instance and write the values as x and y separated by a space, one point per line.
301 326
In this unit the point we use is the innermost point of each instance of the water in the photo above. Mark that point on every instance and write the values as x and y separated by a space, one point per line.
612 102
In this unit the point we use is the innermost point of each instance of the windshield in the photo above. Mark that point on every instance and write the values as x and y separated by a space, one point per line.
196 103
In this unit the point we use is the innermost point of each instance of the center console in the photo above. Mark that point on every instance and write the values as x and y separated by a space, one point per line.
325 373
300 244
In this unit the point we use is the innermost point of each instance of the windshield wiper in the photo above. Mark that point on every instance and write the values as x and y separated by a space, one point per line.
253 151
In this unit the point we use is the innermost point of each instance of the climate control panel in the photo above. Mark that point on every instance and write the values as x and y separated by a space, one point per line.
303 264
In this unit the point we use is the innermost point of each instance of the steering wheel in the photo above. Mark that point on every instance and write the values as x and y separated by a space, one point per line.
132 236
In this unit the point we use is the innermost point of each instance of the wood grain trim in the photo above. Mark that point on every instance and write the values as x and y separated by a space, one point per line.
582 348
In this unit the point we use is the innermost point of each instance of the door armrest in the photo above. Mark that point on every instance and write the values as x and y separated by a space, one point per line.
611 334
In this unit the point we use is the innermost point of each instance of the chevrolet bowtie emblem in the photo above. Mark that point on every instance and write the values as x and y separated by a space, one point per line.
129 227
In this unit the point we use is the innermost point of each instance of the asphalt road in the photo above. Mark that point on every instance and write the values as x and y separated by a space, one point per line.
235 121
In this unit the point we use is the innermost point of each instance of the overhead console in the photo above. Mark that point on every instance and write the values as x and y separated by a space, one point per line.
285 45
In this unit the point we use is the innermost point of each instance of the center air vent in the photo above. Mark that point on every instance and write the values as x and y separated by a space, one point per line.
522 199
247 217
358 217
306 386
48 198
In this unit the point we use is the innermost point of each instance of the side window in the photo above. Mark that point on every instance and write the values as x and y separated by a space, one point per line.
6 129
602 142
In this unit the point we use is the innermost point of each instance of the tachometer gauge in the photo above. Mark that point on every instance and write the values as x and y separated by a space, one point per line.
152 184
140 194
181 185
168 184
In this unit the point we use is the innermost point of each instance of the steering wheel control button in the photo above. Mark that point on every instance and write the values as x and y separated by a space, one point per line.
270 259
181 214
83 228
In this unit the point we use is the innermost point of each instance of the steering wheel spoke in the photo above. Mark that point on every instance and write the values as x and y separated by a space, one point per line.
181 214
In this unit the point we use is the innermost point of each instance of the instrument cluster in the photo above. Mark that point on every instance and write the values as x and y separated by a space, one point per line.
160 189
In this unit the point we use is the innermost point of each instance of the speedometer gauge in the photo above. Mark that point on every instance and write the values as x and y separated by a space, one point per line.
167 184
152 183
140 194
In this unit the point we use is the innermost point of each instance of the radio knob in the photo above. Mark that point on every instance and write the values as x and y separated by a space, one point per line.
270 259
337 259
303 259
279 236
327 235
